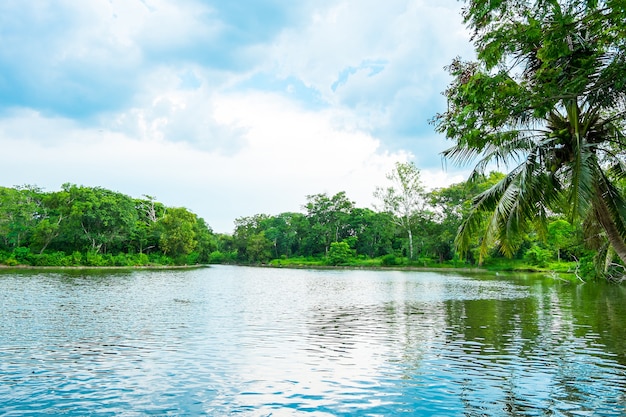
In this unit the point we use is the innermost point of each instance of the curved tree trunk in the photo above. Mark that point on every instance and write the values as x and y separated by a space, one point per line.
604 218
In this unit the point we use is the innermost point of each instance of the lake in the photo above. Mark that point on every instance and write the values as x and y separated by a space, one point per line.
240 341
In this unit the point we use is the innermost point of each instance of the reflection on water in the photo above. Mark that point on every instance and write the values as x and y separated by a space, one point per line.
260 342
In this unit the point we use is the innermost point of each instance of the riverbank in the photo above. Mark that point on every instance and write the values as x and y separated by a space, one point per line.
506 265
104 268
560 275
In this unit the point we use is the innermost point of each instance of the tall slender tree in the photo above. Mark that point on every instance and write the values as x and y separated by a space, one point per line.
403 198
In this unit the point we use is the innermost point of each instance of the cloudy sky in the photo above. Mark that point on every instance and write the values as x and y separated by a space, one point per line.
228 108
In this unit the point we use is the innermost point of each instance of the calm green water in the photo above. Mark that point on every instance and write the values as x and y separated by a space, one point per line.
271 342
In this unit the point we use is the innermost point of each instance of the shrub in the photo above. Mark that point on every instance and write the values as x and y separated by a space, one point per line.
339 253
216 257
76 258
11 261
389 260
122 259
93 259
141 259
160 259
59 259
538 256
192 258
22 255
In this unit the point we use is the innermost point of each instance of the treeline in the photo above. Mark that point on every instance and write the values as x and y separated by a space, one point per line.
94 226
417 228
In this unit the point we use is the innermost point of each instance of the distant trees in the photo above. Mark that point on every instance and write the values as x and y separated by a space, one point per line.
178 234
249 238
403 198
418 227
331 227
93 226
100 220
328 217
146 233
19 211
335 229
97 225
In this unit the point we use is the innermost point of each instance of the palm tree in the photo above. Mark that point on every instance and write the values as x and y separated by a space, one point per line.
569 165
546 100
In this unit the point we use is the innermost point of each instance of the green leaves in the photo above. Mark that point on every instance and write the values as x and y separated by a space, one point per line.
340 253
178 237
100 225
545 99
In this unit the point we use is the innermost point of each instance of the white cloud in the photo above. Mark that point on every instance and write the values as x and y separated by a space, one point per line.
143 97
174 113
290 153
378 67
414 37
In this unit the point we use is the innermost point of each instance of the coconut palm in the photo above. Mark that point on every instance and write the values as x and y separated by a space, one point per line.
546 100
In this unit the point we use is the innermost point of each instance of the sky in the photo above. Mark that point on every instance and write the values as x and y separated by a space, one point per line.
227 108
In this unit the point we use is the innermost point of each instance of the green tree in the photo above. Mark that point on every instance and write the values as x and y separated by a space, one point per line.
450 206
249 238
560 235
207 242
225 243
328 217
282 231
374 232
51 231
545 99
20 211
258 248
403 198
178 236
146 234
340 253
102 219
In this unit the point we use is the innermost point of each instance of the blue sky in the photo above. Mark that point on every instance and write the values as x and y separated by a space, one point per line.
227 108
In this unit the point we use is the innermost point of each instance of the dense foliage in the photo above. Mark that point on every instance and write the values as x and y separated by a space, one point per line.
97 227
546 99
333 231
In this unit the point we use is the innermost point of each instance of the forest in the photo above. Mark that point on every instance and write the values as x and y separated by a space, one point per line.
544 100
93 226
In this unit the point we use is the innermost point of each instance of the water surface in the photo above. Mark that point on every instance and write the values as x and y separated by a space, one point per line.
275 342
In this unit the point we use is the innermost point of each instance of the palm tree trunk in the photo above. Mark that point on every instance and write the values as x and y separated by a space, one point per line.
604 218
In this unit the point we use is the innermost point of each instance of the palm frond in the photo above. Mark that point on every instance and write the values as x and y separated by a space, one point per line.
483 203
580 173
617 169
508 208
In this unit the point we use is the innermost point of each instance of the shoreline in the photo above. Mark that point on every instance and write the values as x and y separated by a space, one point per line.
79 267
474 270
374 268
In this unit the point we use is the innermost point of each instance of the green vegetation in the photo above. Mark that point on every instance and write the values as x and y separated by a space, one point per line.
545 99
414 231
403 198
83 226
90 226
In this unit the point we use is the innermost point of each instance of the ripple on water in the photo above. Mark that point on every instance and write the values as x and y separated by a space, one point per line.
260 342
